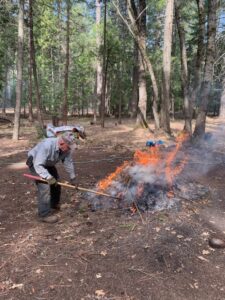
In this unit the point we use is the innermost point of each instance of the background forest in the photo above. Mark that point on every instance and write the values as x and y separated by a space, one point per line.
157 59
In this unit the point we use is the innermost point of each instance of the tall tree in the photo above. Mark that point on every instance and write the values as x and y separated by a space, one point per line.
133 103
200 55
34 66
19 70
141 21
104 71
222 100
135 33
208 70
98 83
184 69
168 30
30 72
66 74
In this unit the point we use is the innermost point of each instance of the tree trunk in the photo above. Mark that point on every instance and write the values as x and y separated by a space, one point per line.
4 98
105 63
208 71
98 83
165 110
222 102
30 88
142 101
184 70
19 71
66 75
34 67
132 110
135 33
200 54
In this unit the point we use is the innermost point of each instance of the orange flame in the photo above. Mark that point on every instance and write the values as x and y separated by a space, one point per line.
105 183
170 158
153 157
133 208
145 158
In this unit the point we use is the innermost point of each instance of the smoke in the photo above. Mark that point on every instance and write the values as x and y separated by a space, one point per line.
172 173
146 174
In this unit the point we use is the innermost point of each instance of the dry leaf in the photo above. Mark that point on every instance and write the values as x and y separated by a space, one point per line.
203 258
100 293
157 229
104 253
205 234
179 236
99 275
17 286
205 252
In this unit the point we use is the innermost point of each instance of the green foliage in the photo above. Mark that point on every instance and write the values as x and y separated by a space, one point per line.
50 41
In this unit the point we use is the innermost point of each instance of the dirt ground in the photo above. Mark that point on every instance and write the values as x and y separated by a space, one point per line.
107 254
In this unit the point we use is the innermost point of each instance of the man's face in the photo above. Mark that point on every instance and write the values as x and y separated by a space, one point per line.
63 146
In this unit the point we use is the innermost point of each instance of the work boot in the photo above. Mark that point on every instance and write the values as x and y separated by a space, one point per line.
56 208
49 219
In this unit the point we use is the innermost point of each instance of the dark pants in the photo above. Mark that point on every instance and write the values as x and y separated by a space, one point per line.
48 195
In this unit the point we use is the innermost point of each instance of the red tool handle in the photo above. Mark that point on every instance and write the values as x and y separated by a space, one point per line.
34 177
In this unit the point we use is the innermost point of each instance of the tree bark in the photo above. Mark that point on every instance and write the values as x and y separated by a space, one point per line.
104 73
34 67
142 101
208 70
19 71
4 98
168 30
133 104
200 56
222 102
66 74
30 88
98 80
134 31
184 70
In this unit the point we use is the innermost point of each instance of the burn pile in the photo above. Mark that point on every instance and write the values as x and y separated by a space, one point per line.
156 179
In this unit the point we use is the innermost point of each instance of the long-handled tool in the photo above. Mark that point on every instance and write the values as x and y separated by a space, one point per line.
33 177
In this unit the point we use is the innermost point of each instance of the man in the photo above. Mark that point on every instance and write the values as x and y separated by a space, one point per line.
41 161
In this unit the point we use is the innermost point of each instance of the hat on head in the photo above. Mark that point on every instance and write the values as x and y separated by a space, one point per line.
68 138
80 130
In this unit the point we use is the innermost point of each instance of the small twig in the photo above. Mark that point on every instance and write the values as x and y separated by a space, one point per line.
138 210
85 259
47 265
26 256
2 266
141 271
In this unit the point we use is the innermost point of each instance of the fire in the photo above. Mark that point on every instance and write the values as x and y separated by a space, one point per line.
154 157
170 173
146 158
133 208
105 183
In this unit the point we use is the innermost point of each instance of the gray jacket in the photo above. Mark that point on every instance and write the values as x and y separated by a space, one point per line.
47 154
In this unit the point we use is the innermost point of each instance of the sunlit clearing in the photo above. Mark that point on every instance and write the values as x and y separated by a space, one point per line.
17 166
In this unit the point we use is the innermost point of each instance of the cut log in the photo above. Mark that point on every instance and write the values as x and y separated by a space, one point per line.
6 119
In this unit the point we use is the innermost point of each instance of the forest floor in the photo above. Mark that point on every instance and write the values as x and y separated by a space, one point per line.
110 254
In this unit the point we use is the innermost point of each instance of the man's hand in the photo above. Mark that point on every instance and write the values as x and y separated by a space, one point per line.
51 181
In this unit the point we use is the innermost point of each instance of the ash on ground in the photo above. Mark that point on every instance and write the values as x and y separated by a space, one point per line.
149 197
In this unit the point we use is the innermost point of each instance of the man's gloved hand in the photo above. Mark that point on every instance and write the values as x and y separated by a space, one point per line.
51 181
73 181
